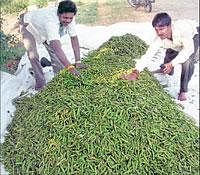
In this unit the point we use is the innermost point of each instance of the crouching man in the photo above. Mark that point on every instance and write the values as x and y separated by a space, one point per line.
181 41
47 25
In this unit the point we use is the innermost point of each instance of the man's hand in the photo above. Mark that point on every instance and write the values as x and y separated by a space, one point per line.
81 66
73 71
167 68
131 76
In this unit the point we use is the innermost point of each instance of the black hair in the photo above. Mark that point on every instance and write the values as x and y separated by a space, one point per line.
161 20
67 6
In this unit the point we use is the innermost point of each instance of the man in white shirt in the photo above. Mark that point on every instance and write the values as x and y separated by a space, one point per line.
47 25
181 41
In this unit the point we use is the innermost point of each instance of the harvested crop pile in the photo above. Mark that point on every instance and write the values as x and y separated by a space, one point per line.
99 124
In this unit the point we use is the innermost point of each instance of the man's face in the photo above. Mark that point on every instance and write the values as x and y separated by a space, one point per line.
164 32
66 18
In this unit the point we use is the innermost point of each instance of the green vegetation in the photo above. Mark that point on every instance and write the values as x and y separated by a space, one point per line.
9 48
87 10
16 6
115 9
13 6
98 124
87 13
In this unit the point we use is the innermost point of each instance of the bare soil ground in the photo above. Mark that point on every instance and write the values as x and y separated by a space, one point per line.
176 8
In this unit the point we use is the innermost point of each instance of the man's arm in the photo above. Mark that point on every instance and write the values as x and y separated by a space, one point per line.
151 52
56 45
187 50
184 54
143 62
76 49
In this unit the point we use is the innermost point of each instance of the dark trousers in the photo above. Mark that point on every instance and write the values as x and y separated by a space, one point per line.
30 46
187 67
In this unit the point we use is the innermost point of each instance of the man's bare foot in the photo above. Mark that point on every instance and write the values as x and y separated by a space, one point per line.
131 76
182 96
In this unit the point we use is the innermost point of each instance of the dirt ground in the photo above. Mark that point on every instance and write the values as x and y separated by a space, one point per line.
176 8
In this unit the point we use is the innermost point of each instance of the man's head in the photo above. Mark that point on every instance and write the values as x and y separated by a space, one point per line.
66 11
162 24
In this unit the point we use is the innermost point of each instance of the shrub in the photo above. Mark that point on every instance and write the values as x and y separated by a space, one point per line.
13 6
9 49
16 6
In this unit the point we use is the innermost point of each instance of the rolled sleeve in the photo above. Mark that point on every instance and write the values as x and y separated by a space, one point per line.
52 31
150 53
72 28
186 51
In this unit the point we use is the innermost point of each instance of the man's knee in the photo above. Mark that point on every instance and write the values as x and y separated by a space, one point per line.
186 63
194 57
21 24
33 55
170 55
21 18
198 29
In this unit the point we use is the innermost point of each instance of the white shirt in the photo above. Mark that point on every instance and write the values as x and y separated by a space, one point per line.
44 24
183 32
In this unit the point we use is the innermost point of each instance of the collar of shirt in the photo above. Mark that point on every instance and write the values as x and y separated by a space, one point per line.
62 30
174 44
